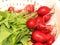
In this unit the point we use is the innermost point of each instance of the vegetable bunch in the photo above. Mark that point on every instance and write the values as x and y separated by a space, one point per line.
41 34
26 27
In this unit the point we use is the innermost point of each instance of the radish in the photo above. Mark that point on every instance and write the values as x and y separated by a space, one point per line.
39 36
41 27
31 23
47 17
29 8
43 10
11 9
40 19
50 39
47 29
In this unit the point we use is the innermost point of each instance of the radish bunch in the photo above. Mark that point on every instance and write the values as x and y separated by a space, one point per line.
41 34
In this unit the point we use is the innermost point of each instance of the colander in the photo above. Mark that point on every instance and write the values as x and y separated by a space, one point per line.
20 4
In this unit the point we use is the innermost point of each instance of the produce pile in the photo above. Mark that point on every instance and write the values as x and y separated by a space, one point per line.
26 26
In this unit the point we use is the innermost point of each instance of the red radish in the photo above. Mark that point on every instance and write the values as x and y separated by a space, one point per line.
43 10
51 40
39 36
47 17
29 8
11 9
31 23
40 19
41 26
49 36
37 43
47 29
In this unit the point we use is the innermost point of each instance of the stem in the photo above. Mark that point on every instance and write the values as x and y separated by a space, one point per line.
52 11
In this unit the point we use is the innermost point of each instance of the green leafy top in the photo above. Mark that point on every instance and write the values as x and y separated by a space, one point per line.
13 29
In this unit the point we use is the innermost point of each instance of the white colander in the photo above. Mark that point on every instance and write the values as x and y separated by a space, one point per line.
20 4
